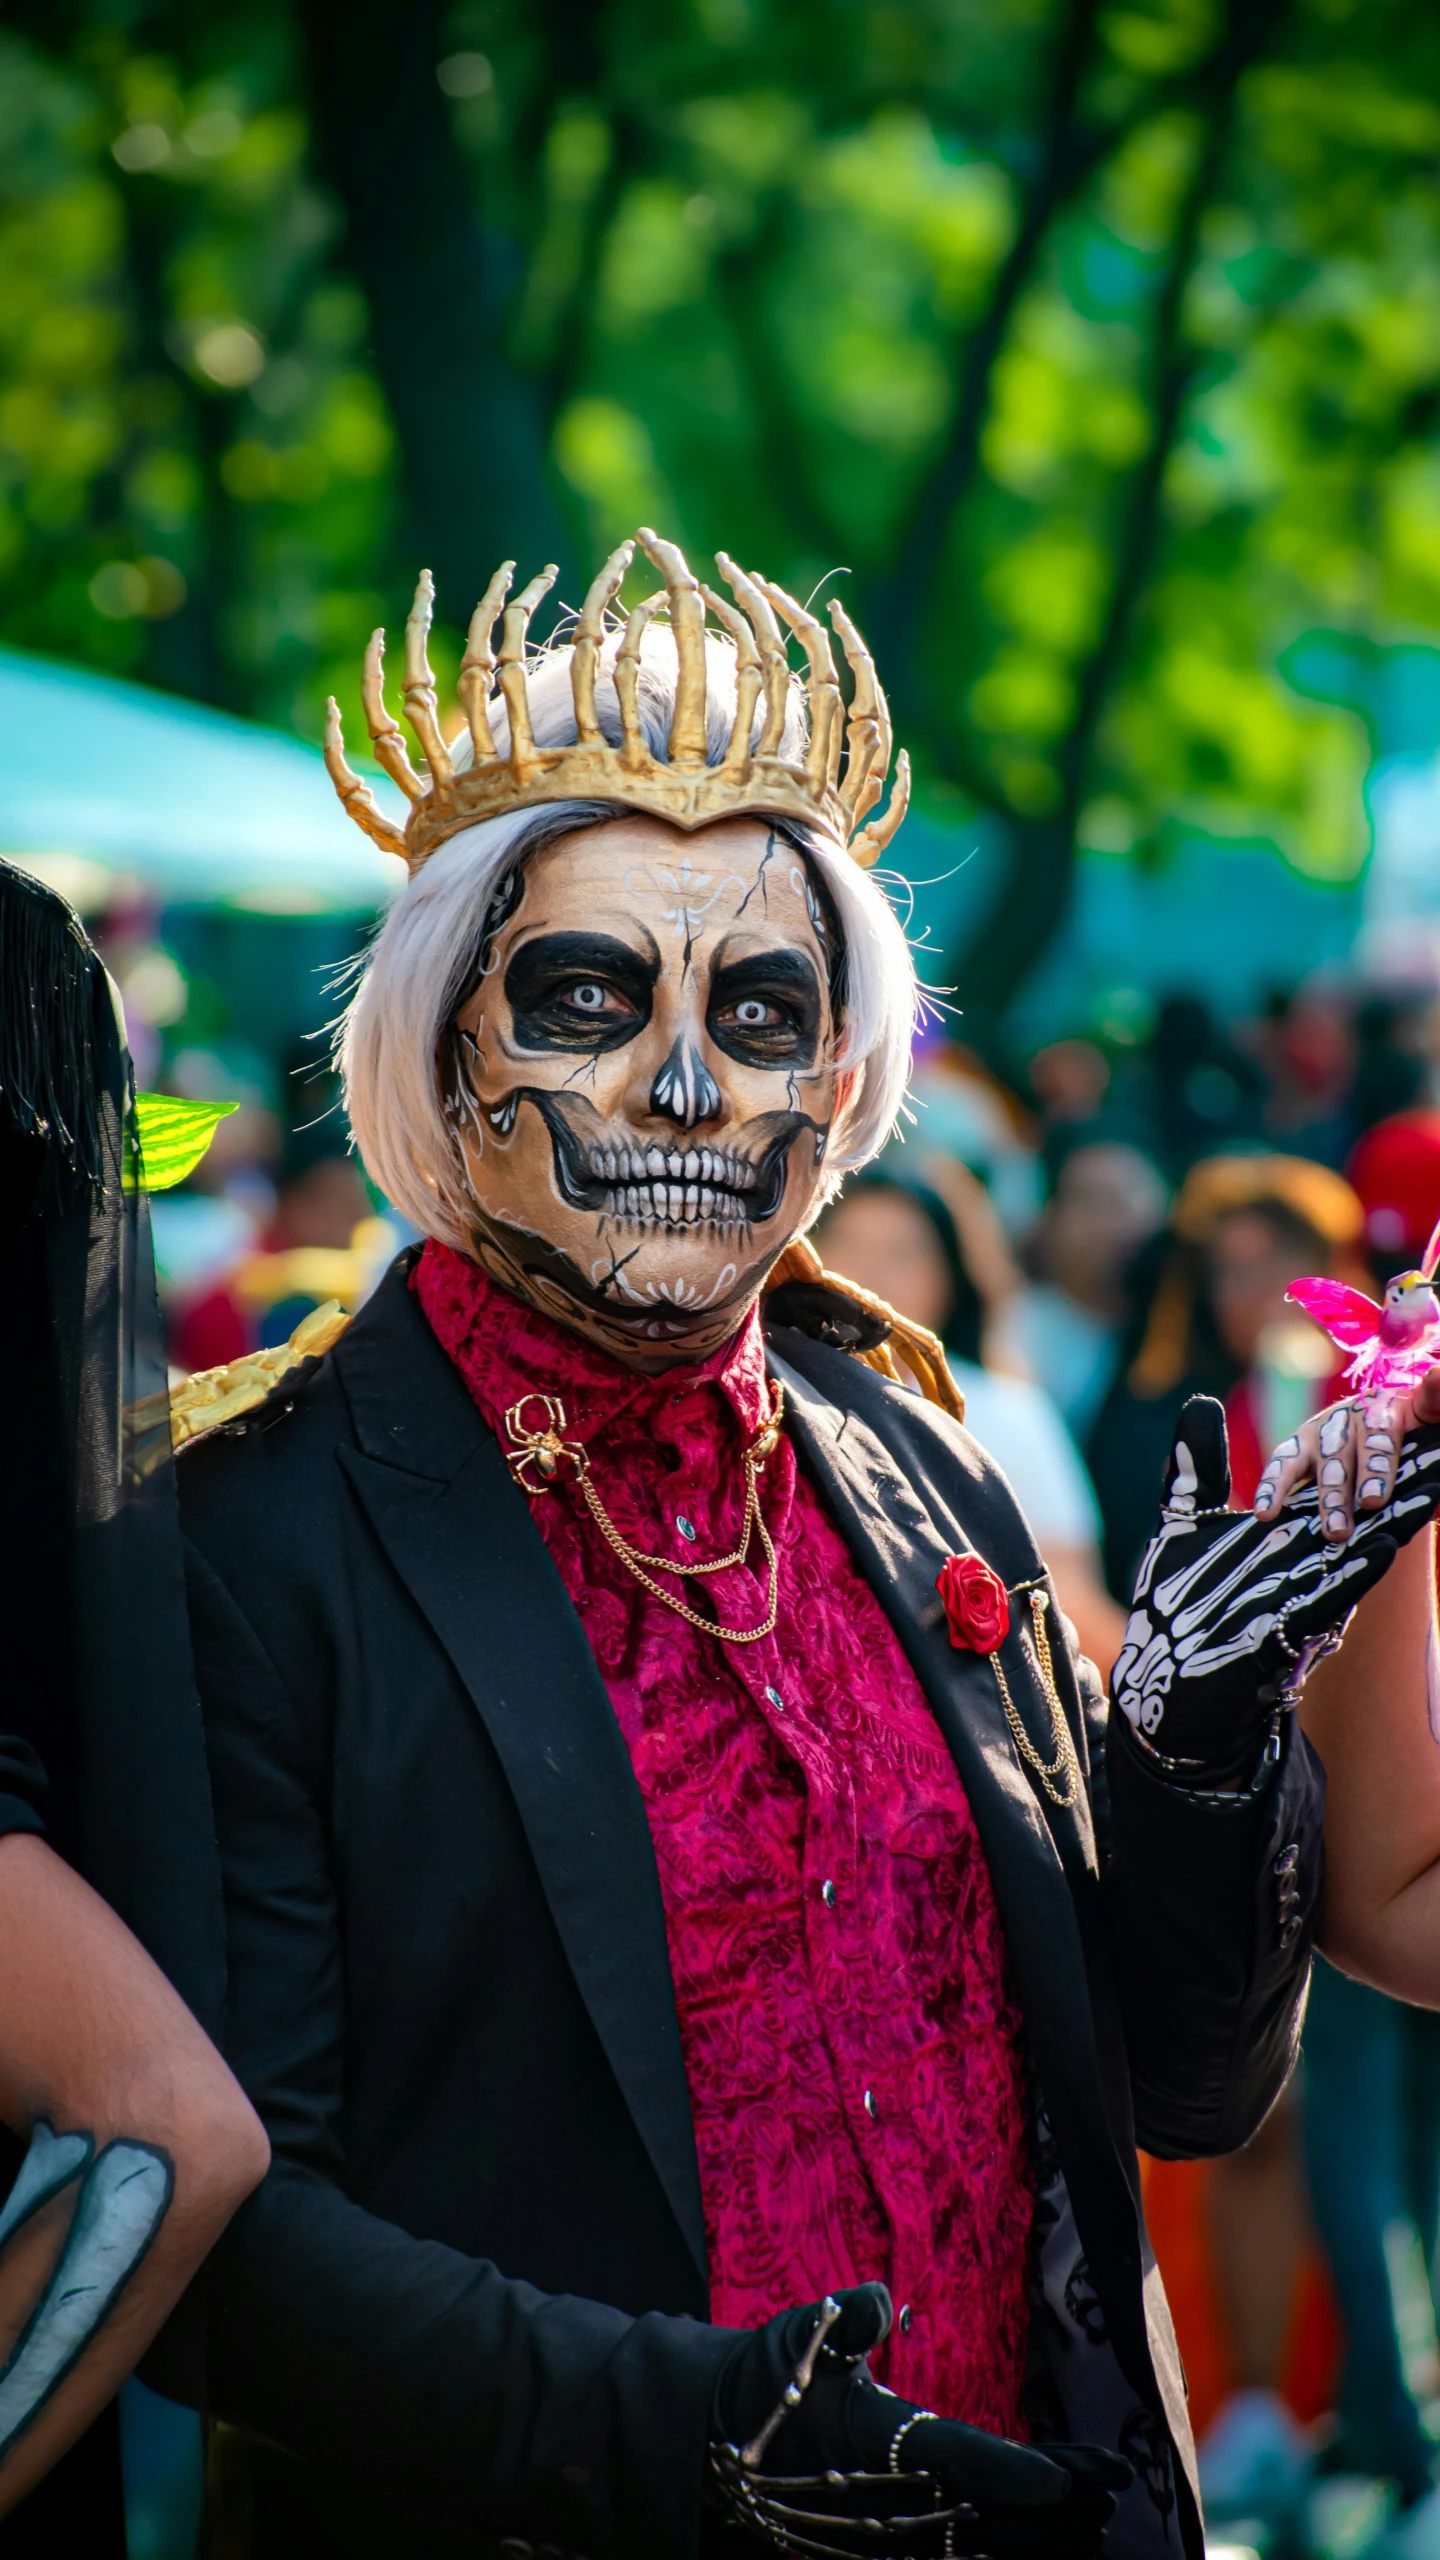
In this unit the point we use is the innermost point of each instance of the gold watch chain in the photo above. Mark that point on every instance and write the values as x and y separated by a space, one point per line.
542 1453
1066 1764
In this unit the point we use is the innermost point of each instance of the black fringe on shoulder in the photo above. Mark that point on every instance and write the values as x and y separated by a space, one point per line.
50 982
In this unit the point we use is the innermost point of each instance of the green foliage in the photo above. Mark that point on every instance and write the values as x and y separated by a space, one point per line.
196 467
173 1135
1097 343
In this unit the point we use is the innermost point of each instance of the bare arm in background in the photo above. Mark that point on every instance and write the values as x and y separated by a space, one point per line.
150 2147
1373 1712
1367 1711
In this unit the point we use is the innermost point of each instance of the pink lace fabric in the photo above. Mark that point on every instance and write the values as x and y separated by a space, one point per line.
849 2032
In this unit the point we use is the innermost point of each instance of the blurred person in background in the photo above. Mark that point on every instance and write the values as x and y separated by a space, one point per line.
1070 1080
1395 1173
1311 1054
1204 1091
1067 1324
1394 1069
904 1242
321 1239
204 1227
319 1204
1370 2106
963 1114
1212 1308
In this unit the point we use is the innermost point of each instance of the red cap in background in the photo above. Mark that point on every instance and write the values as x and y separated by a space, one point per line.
1396 1171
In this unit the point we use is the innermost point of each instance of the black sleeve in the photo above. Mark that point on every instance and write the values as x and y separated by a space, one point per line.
23 1786
1222 1898
430 2377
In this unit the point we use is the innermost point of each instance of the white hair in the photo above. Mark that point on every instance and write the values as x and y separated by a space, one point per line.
424 958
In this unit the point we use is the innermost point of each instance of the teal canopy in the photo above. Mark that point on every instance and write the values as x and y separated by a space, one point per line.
99 776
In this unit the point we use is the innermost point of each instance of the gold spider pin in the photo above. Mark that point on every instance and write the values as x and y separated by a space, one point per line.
543 1450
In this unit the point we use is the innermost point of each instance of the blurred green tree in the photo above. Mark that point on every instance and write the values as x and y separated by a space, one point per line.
1094 343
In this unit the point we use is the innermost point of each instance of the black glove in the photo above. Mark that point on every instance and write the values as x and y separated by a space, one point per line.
1230 1612
812 2456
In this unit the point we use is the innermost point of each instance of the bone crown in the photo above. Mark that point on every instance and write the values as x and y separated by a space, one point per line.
840 780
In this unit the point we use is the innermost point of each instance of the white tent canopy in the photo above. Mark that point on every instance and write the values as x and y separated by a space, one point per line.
102 781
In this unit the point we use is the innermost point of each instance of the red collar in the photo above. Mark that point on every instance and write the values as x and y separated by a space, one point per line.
506 1350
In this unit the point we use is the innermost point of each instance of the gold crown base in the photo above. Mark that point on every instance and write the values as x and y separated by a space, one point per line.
752 778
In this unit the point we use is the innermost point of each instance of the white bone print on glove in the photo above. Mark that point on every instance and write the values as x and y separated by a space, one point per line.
1230 1611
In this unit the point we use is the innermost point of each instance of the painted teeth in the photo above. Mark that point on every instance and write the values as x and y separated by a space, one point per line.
629 1168
673 1186
674 1204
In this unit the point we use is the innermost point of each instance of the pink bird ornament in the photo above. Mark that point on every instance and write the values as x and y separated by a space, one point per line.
1392 1344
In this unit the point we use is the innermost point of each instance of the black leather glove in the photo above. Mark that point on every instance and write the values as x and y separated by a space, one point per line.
1230 1612
811 2455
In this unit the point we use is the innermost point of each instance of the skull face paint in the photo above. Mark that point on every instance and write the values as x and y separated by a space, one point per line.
642 1081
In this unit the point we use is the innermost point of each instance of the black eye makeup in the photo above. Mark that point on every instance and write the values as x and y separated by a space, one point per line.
584 991
765 1011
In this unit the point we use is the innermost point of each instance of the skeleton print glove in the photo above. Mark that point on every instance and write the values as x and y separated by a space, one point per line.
1230 1611
814 2457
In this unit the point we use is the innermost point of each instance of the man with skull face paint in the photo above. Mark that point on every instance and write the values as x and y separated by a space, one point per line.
643 1082
685 1895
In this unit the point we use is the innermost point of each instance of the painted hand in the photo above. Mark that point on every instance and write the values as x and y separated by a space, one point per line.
1351 1453
1231 1610
812 2456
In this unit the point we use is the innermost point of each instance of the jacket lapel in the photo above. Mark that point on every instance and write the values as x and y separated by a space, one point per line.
900 1540
440 1498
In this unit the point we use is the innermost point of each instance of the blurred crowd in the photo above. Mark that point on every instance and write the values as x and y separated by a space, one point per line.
1095 1238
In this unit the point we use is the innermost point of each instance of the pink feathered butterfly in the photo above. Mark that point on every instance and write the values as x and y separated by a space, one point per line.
1393 1344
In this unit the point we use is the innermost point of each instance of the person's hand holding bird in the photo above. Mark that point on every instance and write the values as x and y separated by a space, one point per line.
1352 1449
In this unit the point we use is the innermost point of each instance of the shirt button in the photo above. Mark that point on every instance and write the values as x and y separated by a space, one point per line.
828 1894
686 1527
776 1701
868 2102
906 2317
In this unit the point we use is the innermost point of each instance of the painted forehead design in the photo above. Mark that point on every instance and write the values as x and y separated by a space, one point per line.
689 895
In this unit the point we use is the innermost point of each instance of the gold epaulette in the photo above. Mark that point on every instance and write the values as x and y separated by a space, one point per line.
215 1396
921 1350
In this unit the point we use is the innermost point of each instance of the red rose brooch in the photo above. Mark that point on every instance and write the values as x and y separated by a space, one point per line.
977 1604
977 1612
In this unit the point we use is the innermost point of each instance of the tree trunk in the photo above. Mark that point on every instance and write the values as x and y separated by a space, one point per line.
1034 896
1069 149
474 431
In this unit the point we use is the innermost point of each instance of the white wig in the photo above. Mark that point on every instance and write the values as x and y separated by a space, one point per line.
424 958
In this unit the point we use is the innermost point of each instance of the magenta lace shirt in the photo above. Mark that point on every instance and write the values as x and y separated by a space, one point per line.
850 2036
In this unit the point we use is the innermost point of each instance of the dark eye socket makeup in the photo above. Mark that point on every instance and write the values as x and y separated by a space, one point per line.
766 1009
578 991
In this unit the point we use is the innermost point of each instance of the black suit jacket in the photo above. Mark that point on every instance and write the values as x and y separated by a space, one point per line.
473 2285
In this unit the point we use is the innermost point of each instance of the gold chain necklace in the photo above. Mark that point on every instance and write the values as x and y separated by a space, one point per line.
545 1451
1066 1764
